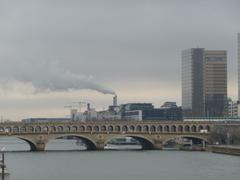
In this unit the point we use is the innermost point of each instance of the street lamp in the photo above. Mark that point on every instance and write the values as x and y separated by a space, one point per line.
2 165
228 138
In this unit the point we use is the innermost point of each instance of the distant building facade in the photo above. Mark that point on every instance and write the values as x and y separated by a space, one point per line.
215 83
145 111
46 120
192 82
238 66
204 83
238 55
232 108
169 105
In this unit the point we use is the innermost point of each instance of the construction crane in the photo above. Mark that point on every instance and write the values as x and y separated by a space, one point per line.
73 115
69 106
80 105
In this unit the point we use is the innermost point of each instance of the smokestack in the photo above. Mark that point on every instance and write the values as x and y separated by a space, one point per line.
88 107
115 100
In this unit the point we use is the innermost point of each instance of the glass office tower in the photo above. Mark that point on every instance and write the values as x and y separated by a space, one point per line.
238 66
215 83
192 82
204 83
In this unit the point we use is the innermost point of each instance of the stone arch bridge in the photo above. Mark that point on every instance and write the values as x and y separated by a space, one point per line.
151 134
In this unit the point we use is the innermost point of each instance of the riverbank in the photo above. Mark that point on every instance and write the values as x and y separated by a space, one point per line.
224 149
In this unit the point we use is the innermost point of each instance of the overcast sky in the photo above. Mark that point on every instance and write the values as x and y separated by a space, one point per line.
131 47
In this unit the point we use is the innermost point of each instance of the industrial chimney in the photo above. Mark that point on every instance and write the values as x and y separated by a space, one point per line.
115 100
88 107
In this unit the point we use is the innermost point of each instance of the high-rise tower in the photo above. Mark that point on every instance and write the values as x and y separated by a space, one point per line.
238 66
192 82
215 83
204 83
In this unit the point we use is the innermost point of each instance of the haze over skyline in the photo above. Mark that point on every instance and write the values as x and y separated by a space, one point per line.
131 47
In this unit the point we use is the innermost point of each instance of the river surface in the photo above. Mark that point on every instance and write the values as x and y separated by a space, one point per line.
116 165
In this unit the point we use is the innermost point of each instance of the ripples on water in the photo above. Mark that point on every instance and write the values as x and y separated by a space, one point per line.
117 165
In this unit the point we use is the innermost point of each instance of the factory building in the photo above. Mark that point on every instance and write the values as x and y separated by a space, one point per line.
130 111
146 111
108 115
113 112
90 114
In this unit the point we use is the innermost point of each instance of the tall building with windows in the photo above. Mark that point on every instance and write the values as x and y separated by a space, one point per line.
215 83
238 66
204 83
192 82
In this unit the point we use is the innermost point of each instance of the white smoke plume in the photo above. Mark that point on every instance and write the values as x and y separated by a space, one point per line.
45 76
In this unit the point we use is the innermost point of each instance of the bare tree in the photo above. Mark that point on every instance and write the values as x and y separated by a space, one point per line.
226 134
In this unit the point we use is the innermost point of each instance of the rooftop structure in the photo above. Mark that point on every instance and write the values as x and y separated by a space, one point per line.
146 111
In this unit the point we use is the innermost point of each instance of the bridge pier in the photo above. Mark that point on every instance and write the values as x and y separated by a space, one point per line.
40 146
158 145
100 145
37 142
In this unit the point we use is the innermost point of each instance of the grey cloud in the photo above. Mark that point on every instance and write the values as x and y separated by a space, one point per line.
118 39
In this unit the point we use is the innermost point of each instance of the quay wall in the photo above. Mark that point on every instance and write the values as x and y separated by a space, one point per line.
230 150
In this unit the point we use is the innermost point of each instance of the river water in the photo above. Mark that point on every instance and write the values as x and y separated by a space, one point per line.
117 165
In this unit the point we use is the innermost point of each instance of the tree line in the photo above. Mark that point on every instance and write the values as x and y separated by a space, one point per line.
225 135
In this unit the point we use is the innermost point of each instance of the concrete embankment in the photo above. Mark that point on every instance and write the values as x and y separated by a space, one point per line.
231 150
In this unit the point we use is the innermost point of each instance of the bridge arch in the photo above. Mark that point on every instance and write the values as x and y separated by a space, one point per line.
173 128
194 128
117 128
139 128
153 129
90 143
186 136
53 128
23 129
200 127
30 142
186 128
67 128
146 143
166 128
46 128
38 129
160 128
132 128
110 128
145 128
103 128
125 128
82 128
96 128
60 129
180 128
74 128
208 128
8 129
30 129
16 129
